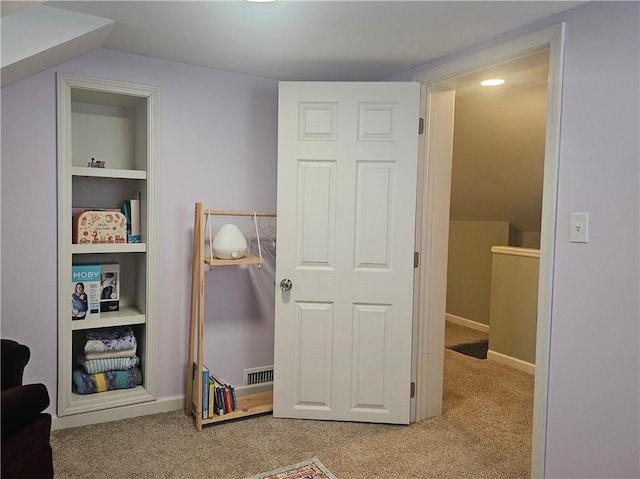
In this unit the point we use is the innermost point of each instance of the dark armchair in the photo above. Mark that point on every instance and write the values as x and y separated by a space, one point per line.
26 452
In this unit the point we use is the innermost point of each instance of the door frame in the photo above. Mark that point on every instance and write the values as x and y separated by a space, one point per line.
437 85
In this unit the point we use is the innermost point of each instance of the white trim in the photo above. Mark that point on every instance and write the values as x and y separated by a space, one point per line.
486 58
433 242
516 251
440 80
169 404
129 95
547 249
467 323
515 363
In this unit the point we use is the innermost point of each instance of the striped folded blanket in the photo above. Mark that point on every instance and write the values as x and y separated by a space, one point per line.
126 353
93 366
110 339
97 383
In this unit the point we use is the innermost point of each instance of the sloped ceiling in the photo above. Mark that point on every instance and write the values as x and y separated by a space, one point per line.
284 40
39 37
498 158
499 144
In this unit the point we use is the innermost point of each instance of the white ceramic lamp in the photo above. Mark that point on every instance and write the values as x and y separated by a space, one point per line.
229 243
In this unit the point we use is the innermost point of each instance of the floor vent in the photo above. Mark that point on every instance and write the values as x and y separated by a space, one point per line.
260 375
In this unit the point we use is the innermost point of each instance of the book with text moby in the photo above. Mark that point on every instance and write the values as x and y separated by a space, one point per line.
85 295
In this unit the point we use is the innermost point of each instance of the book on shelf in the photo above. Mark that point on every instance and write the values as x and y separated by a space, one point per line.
212 395
204 412
225 400
219 407
131 211
96 289
228 403
234 400
85 296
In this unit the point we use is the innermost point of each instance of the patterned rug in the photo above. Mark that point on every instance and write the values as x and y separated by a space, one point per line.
311 469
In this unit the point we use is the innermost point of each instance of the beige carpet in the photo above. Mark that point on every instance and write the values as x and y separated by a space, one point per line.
485 432
456 334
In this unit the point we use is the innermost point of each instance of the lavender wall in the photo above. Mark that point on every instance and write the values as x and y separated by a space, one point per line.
217 145
594 391
594 405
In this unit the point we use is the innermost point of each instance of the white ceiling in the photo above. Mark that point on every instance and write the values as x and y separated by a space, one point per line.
305 40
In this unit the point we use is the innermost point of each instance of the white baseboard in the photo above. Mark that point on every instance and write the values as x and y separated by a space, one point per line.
144 409
167 404
467 323
510 361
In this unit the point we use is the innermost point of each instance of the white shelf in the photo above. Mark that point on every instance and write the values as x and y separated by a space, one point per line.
109 248
81 403
125 316
108 173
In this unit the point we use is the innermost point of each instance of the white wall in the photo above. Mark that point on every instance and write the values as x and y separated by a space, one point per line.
593 428
217 145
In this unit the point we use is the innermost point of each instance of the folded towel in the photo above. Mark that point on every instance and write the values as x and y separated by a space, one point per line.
93 366
95 383
110 339
126 353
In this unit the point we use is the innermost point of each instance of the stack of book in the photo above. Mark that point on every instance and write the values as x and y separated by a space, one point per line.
218 397
224 396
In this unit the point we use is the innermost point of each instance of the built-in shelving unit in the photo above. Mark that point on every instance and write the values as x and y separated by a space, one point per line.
249 404
115 122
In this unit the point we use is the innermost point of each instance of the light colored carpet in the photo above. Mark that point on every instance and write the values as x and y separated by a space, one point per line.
484 433
455 334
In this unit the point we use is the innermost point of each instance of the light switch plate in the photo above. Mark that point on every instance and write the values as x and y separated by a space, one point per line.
579 228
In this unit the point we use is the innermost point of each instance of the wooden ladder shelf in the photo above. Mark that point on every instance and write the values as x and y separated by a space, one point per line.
249 404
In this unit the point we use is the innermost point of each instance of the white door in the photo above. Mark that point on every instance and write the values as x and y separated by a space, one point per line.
347 162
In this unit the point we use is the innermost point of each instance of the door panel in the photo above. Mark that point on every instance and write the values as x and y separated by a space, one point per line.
313 342
347 157
316 187
374 192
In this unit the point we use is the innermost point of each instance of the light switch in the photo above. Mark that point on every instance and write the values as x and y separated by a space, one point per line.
579 224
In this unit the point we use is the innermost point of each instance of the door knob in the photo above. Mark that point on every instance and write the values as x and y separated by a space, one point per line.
286 284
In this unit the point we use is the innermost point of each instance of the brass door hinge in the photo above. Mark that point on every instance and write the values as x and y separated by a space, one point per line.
413 390
420 126
416 259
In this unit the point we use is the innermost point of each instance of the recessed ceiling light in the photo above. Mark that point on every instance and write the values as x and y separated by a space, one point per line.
492 82
260 1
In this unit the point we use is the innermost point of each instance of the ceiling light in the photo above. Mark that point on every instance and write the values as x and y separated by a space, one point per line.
260 1
492 82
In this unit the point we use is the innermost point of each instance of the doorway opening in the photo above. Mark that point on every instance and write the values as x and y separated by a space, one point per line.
496 210
432 233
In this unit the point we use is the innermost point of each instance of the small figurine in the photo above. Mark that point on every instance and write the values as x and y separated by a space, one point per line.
96 164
